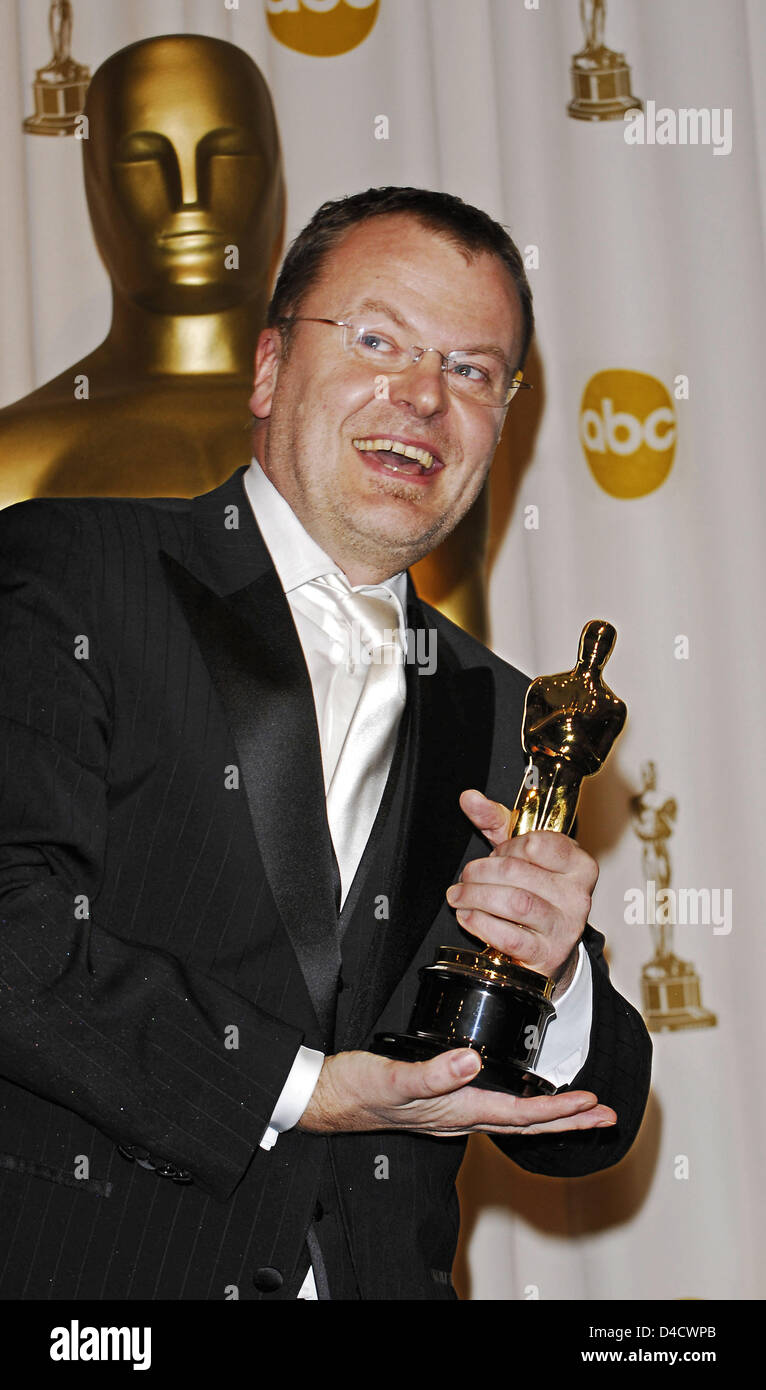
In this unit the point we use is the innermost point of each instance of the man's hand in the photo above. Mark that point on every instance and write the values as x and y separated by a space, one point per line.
530 897
362 1092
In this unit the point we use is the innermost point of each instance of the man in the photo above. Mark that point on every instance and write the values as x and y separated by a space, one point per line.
207 912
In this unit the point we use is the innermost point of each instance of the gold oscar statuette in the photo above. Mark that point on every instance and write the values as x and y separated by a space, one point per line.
600 77
483 999
60 87
670 987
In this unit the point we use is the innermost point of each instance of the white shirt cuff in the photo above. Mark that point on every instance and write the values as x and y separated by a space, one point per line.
567 1037
295 1094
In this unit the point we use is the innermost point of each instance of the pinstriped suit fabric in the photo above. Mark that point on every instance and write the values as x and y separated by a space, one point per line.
142 921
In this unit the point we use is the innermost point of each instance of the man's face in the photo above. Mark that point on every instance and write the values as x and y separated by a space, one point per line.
322 404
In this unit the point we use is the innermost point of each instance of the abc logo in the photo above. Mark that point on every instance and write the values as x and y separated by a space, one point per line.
321 28
628 432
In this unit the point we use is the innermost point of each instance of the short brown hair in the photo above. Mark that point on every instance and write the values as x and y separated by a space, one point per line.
470 229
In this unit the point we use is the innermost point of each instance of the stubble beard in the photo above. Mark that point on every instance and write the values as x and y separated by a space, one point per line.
349 531
356 535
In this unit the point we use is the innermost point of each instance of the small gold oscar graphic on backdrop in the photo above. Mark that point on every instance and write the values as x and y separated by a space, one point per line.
61 85
670 988
600 76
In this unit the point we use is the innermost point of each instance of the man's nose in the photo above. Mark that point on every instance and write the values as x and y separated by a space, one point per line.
422 385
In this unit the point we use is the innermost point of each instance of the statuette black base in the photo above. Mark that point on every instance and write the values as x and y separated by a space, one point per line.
482 1000
495 1075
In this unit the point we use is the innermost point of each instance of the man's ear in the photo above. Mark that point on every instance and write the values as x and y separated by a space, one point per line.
268 355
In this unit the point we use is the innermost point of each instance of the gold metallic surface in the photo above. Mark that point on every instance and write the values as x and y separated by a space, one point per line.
182 164
570 722
492 966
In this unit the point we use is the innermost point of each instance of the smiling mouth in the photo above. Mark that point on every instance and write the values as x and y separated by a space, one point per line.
396 457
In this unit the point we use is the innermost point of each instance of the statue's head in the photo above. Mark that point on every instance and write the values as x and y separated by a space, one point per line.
596 642
182 160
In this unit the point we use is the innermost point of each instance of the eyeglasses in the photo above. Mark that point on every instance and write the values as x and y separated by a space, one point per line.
481 377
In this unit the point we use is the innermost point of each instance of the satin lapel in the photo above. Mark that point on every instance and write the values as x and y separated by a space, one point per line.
450 742
251 649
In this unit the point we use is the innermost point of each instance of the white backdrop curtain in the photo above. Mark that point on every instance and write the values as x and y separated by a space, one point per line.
650 261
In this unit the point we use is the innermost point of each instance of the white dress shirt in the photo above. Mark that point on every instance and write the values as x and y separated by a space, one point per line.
297 559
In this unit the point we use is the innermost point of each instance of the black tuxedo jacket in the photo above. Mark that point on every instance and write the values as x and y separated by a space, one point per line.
169 934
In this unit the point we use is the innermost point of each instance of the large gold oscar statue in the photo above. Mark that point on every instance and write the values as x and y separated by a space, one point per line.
184 184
